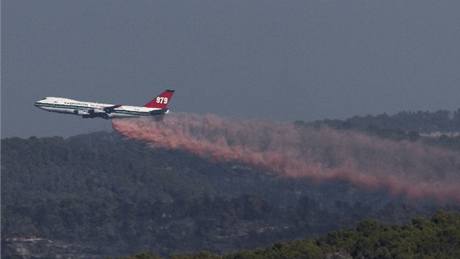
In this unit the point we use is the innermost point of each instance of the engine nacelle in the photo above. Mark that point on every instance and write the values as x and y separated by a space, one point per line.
80 112
93 113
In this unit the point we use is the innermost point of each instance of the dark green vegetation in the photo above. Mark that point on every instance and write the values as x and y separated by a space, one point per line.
438 237
107 195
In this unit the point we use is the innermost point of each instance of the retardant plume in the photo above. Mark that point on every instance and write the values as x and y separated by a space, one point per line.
407 168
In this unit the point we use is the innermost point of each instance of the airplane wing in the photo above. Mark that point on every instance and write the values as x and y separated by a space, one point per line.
93 113
111 108
159 112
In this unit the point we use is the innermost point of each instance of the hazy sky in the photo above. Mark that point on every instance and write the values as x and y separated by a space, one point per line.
279 60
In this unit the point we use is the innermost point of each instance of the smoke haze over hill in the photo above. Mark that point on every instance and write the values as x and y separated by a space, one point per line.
407 168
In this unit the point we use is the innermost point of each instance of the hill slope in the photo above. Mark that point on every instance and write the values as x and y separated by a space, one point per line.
106 195
438 237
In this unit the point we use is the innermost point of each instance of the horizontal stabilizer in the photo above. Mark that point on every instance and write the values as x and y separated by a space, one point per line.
159 112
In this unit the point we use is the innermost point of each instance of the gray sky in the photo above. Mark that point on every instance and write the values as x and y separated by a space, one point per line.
279 60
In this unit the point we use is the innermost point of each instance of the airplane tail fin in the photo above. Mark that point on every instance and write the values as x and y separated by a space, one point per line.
161 101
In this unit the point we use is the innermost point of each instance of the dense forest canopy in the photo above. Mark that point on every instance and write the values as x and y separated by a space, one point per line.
438 237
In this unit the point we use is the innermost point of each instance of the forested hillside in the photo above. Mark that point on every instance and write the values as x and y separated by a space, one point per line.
438 237
441 128
101 194
419 122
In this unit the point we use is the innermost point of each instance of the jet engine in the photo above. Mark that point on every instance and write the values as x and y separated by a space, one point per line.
80 112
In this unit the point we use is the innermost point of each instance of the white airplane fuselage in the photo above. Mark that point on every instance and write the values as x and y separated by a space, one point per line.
95 110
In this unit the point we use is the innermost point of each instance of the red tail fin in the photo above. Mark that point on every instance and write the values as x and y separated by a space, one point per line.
161 101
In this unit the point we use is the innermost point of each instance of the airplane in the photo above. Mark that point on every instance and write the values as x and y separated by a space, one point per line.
156 107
